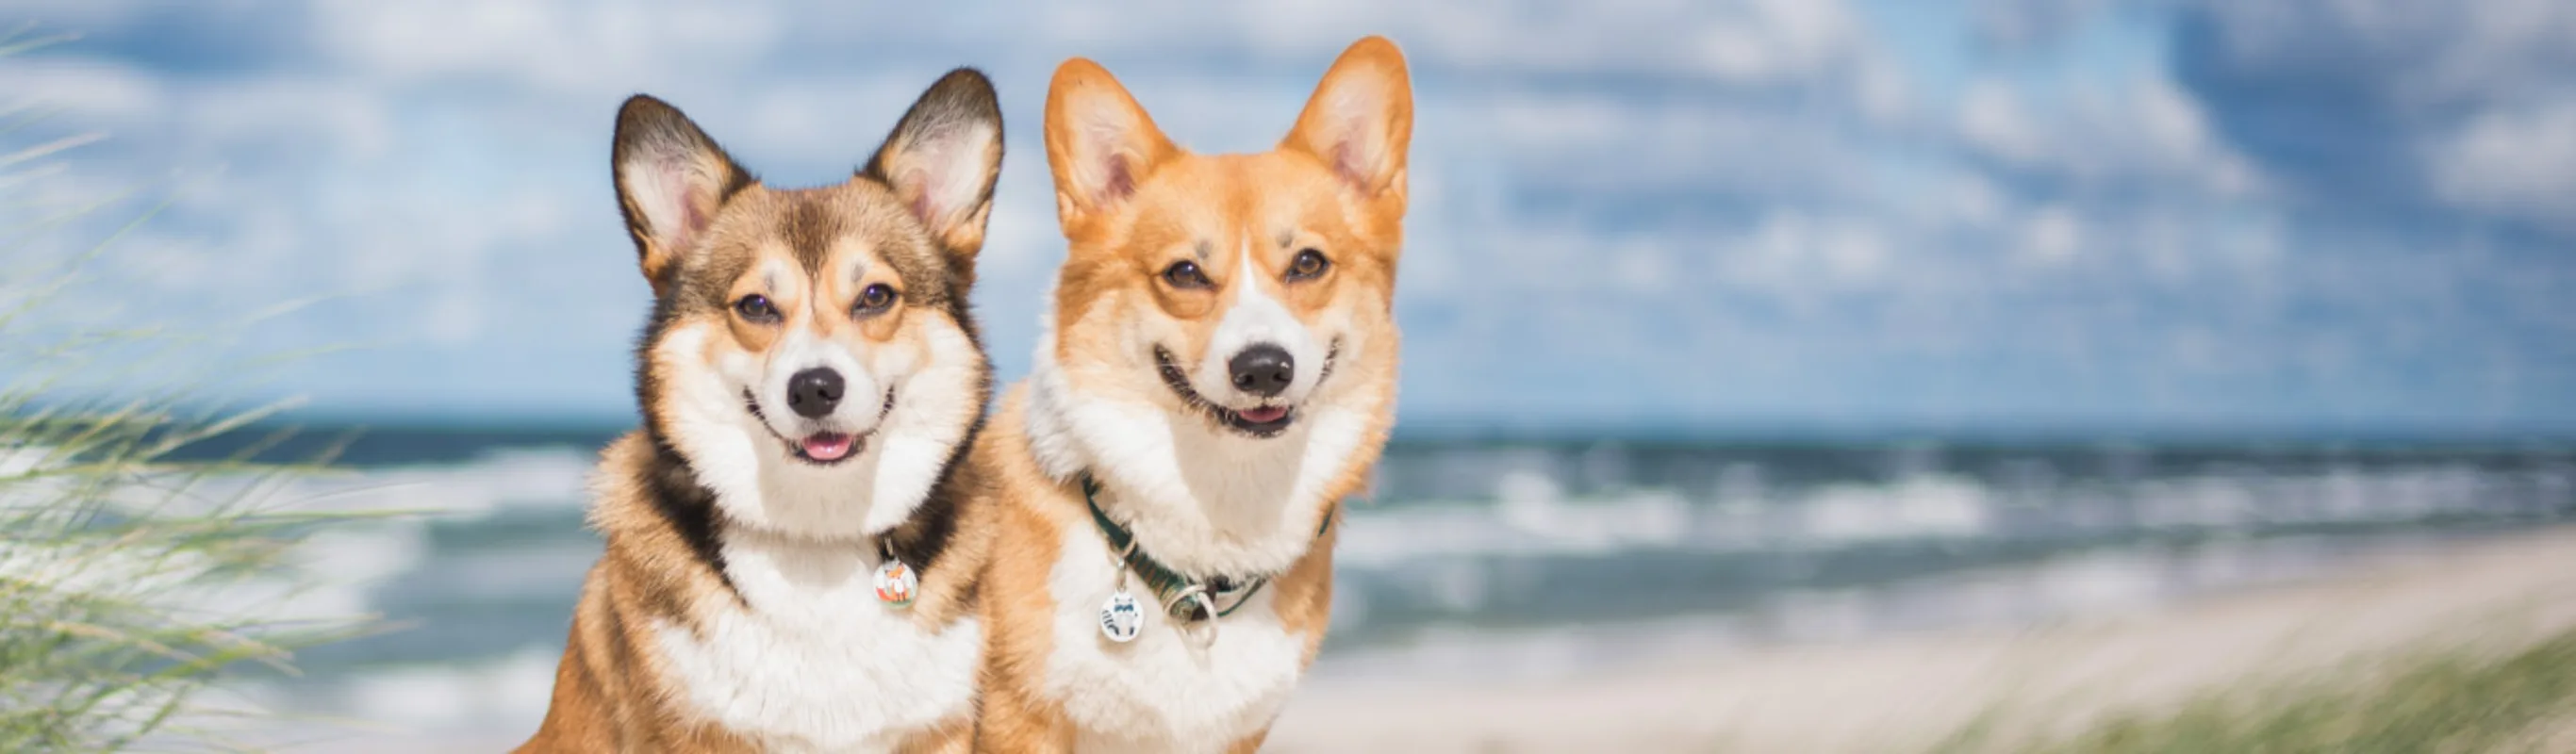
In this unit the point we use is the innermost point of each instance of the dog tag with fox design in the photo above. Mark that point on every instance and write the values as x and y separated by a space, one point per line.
896 583
1120 618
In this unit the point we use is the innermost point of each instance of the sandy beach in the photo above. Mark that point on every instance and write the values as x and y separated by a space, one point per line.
1911 693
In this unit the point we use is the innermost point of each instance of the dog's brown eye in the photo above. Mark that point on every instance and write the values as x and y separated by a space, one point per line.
1308 265
1185 274
756 307
875 298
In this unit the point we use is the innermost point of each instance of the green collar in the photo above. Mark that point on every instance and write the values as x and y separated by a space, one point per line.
1170 585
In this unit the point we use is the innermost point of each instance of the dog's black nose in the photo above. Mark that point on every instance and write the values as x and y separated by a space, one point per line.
814 392
1262 370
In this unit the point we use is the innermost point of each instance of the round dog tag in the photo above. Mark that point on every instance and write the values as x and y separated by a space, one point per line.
896 583
1120 618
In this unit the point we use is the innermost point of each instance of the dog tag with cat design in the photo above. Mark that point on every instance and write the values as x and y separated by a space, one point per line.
896 583
1120 618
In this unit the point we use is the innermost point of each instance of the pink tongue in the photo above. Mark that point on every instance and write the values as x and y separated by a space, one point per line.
1263 415
827 446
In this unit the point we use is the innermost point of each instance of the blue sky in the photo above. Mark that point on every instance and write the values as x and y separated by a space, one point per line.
1679 214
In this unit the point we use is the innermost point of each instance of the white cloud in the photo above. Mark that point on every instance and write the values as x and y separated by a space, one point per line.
1774 40
1740 41
98 92
1643 193
2142 132
2017 24
2515 162
2430 54
73 15
1993 118
348 120
2052 236
582 46
2475 95
1796 255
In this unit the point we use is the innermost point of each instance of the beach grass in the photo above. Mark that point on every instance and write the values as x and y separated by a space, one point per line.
2449 701
131 586
136 583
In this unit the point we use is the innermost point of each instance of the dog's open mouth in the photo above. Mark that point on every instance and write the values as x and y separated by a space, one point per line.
1263 421
1266 420
821 448
826 447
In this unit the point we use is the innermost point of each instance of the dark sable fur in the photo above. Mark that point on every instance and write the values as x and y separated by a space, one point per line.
962 97
697 219
643 118
958 99
809 229
689 507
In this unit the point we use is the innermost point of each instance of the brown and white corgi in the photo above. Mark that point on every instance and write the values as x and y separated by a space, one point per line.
1218 374
784 570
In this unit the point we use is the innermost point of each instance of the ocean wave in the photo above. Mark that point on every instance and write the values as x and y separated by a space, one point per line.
2094 584
546 478
1513 560
505 528
506 693
1529 514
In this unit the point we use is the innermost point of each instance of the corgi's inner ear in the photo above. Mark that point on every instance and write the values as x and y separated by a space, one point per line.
1100 143
671 179
943 157
1360 120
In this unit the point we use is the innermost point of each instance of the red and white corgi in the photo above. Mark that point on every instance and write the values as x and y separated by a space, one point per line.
1219 373
784 570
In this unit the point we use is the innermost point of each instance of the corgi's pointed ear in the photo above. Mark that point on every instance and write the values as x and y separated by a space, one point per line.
943 157
1100 143
1360 120
670 179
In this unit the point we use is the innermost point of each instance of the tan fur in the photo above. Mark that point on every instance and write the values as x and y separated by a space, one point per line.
729 237
609 694
1129 212
1025 516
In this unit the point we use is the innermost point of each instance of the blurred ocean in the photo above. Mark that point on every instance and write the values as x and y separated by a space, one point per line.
1504 557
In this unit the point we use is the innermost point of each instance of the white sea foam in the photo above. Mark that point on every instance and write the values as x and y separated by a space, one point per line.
1527 511
1531 515
342 565
510 479
483 705
509 693
2111 582
20 460
1916 507
1472 543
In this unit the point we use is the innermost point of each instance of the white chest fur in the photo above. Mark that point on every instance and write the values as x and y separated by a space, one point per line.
818 663
1163 692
